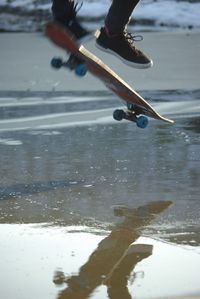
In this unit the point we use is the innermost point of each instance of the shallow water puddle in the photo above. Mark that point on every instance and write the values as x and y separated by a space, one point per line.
71 262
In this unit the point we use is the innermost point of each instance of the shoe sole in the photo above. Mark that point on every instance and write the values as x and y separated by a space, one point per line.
129 63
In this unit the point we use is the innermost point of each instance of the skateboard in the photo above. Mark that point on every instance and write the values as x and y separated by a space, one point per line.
81 60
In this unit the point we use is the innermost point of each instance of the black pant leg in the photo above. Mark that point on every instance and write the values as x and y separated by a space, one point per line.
62 8
119 14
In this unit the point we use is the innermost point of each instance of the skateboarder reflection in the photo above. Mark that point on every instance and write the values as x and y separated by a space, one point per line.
115 258
114 37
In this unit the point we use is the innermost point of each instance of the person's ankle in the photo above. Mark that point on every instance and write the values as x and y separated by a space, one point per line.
108 32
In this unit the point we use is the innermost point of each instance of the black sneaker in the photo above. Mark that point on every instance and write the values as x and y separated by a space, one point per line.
122 46
67 18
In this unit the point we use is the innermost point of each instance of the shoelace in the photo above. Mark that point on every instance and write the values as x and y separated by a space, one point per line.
75 7
131 38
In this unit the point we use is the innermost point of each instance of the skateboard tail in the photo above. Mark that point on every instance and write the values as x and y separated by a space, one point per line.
61 37
136 100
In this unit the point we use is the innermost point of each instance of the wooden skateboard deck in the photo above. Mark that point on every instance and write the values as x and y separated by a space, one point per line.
65 40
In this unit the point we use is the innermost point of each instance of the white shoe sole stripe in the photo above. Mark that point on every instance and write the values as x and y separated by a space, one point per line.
129 63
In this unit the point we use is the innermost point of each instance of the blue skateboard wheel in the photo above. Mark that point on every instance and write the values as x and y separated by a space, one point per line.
56 62
81 70
118 114
142 122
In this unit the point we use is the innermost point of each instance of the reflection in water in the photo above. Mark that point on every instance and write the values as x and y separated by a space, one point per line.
115 258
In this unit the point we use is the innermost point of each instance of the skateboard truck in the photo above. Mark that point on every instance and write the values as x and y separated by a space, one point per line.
73 63
132 114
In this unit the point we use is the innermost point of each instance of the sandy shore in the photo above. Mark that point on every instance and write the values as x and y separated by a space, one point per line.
66 165
25 61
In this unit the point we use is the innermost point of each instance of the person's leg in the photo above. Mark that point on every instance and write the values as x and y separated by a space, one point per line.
115 39
64 12
119 14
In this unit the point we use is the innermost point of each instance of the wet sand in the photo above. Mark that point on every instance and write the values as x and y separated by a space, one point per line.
46 258
90 206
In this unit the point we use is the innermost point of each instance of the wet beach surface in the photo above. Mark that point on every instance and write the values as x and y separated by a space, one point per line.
66 169
91 207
